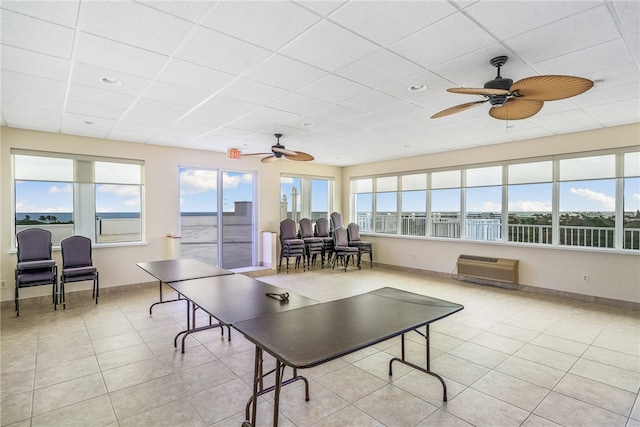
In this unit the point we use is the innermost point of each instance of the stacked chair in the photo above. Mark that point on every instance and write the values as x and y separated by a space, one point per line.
341 248
35 266
314 246
290 245
322 231
77 265
353 233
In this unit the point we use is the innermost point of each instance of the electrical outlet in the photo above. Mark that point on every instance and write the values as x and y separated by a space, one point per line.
3 283
585 277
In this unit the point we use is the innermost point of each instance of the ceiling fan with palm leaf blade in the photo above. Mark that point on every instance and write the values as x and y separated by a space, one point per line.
522 99
278 151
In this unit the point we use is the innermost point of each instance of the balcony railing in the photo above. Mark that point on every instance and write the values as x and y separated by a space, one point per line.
491 230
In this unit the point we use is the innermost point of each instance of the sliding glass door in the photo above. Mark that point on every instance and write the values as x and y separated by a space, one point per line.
222 237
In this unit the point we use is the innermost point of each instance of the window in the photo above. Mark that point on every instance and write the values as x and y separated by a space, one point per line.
313 198
631 205
413 199
530 206
363 203
445 204
591 200
68 195
587 201
483 200
386 216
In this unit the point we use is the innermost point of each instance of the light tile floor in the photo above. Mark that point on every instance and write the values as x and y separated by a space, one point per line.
509 358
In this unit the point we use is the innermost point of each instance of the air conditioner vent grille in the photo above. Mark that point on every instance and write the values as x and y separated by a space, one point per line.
492 271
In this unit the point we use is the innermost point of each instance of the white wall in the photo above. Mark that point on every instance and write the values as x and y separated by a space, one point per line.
117 265
611 275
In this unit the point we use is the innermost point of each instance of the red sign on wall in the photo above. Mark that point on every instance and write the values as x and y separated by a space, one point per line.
233 153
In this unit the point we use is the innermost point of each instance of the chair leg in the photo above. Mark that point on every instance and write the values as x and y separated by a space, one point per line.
97 286
17 300
63 300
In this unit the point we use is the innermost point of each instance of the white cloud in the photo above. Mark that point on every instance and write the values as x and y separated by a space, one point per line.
530 206
607 203
68 188
286 180
120 190
194 181
235 180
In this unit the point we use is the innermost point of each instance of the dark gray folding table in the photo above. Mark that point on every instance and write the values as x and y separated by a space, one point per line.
175 270
309 336
232 298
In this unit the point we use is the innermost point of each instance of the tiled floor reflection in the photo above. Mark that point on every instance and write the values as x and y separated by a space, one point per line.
509 358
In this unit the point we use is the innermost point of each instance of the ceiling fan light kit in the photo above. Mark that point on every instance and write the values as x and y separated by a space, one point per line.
519 100
278 151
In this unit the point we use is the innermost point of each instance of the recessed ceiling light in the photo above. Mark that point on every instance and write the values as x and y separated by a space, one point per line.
417 88
110 81
308 124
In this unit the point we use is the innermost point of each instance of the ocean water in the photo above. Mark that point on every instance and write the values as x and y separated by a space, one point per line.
68 216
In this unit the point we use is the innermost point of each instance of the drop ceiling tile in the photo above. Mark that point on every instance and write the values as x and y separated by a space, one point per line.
59 12
270 24
427 46
93 110
33 34
605 95
561 122
89 76
132 136
84 130
285 73
385 22
134 24
373 102
614 107
133 127
379 69
173 94
33 84
30 111
334 89
32 123
253 92
220 51
474 69
191 10
617 76
595 26
87 120
586 61
100 97
228 105
33 63
300 104
317 47
113 55
159 108
203 116
339 114
145 119
507 19
36 100
323 8
181 73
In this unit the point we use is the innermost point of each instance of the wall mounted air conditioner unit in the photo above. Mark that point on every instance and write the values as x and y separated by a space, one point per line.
501 272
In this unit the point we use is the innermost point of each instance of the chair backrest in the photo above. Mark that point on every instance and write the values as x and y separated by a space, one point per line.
287 229
336 220
340 237
76 252
353 232
306 228
33 244
322 227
